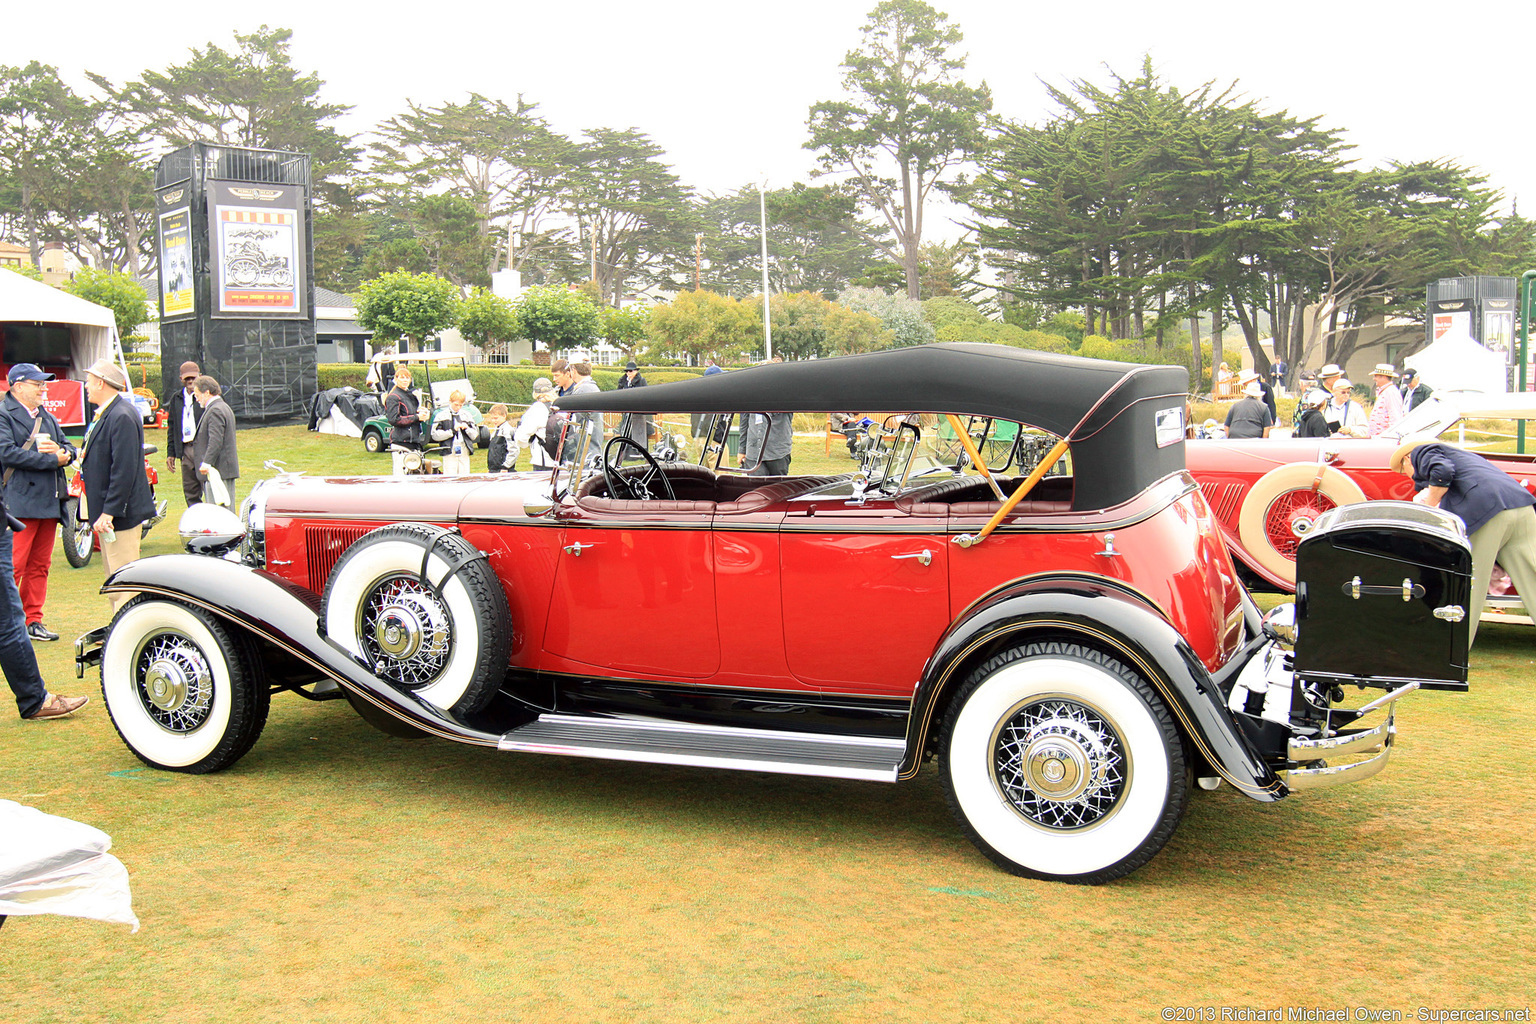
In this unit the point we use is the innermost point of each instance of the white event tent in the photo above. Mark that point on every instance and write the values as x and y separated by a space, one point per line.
1457 362
93 328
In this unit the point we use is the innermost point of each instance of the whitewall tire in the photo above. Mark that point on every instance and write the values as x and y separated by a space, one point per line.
1062 764
446 638
183 692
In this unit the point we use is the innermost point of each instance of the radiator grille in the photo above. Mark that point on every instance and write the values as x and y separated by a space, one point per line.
323 546
1223 499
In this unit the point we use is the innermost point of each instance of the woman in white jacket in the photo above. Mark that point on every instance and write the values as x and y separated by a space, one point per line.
531 429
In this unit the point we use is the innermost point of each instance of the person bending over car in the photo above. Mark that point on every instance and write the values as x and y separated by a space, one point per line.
1500 520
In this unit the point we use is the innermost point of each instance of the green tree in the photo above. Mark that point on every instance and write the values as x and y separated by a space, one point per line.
501 158
407 308
908 124
850 331
815 241
799 323
624 327
902 316
699 324
120 293
43 125
635 217
488 321
447 229
558 317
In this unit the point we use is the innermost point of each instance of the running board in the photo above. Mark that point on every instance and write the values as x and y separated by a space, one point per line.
867 758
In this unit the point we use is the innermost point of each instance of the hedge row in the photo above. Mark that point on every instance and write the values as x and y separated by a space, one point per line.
510 384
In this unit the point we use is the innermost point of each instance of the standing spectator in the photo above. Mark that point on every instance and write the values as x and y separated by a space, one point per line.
117 494
580 376
1277 375
1328 376
34 452
1310 421
214 445
403 411
768 443
1344 415
17 659
1389 401
1266 393
1414 393
501 452
533 428
637 426
182 413
1223 381
458 430
1249 417
1496 510
560 370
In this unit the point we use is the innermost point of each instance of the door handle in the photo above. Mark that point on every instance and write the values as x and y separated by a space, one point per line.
924 557
576 549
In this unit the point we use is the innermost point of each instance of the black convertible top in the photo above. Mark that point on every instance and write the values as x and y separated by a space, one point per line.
1107 410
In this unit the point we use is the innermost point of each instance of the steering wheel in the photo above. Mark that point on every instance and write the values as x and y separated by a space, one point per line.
634 488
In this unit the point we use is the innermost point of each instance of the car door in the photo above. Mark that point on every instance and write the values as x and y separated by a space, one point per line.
634 591
865 594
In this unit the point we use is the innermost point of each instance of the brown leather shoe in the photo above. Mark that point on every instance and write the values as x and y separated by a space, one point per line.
57 706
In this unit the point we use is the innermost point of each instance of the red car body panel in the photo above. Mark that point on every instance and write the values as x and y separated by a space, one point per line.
767 599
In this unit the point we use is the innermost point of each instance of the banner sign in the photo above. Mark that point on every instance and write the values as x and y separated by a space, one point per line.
66 400
258 249
175 221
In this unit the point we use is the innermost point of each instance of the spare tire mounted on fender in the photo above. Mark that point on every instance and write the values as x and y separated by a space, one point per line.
423 608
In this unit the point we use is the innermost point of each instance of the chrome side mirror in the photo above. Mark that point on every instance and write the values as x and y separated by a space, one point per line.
210 529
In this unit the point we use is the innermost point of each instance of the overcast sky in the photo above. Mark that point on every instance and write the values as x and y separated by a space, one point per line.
724 87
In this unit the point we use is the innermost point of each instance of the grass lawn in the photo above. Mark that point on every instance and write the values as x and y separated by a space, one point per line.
337 874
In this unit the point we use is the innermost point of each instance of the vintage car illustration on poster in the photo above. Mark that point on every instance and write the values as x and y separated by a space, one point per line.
1066 640
1267 494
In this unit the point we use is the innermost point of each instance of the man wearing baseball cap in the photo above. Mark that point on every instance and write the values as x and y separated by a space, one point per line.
17 659
34 452
117 495
182 415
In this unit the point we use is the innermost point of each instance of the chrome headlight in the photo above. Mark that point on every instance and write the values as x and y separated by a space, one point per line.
210 529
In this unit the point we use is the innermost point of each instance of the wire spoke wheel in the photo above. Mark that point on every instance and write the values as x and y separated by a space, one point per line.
1291 516
1060 764
174 681
407 631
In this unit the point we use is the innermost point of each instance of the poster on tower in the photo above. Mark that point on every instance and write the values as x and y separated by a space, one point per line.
175 222
258 249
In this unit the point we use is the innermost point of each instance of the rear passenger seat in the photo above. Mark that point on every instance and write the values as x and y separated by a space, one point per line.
938 499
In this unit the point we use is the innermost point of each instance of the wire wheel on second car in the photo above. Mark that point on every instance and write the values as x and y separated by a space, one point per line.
1283 505
1063 764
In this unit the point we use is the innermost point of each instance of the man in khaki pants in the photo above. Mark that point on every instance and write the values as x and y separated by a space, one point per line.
117 494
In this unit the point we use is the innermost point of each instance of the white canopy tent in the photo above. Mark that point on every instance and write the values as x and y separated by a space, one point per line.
1457 362
93 328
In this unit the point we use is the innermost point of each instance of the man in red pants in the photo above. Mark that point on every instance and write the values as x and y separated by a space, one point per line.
33 452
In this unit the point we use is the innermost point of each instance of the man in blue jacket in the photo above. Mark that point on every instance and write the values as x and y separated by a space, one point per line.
1500 520
34 451
117 495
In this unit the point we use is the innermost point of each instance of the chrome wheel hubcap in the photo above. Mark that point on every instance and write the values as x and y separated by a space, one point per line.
407 631
1059 764
175 682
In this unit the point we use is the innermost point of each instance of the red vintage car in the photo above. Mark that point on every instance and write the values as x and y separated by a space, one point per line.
1063 631
1267 494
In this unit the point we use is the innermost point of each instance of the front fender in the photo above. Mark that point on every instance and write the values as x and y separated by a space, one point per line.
1106 616
272 609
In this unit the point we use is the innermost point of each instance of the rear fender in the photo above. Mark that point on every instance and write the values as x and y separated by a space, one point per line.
272 609
1105 616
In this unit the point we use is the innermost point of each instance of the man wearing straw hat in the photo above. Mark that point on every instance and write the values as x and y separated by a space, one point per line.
1498 512
1389 401
117 494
